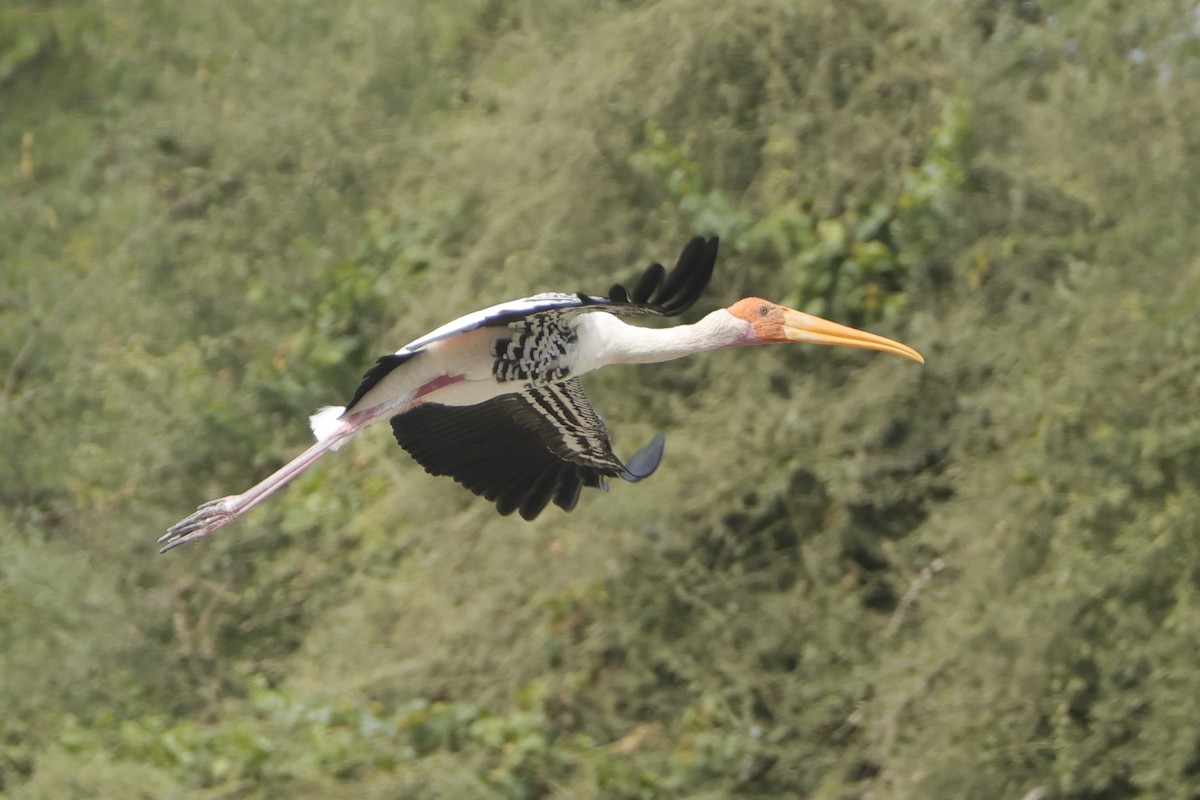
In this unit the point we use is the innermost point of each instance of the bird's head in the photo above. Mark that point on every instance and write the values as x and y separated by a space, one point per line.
775 324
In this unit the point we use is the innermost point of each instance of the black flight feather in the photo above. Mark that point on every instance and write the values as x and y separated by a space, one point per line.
656 292
523 450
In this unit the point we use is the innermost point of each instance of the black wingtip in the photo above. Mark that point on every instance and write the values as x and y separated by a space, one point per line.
676 291
645 461
650 283
691 274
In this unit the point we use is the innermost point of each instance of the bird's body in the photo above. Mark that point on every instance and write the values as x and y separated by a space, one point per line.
493 398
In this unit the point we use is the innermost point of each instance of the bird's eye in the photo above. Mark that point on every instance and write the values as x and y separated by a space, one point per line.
763 310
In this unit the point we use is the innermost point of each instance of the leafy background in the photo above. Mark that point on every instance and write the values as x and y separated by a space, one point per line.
853 577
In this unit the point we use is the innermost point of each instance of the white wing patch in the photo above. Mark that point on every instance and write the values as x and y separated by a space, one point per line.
493 314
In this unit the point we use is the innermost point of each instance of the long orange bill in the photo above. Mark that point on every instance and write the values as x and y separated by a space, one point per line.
801 327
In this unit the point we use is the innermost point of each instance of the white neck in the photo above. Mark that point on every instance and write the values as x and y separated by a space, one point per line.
605 339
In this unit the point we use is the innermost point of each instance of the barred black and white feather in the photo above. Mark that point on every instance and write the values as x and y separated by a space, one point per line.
522 450
493 399
540 440
656 292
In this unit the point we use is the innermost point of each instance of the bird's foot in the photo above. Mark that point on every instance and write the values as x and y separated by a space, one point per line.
207 518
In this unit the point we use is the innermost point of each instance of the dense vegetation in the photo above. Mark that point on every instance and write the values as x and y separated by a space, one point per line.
852 577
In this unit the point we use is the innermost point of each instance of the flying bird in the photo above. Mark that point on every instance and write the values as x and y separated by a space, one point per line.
493 399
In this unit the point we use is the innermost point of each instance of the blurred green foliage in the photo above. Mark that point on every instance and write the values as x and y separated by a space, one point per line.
33 32
852 577
853 266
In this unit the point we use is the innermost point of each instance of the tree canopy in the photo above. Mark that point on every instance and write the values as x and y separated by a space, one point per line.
851 577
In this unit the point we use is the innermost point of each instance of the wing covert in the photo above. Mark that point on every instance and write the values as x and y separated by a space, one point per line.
522 450
656 292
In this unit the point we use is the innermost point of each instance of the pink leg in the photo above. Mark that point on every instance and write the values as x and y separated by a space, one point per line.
217 514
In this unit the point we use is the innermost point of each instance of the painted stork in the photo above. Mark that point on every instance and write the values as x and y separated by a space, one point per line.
493 399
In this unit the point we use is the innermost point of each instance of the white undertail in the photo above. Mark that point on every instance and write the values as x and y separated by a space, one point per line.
325 423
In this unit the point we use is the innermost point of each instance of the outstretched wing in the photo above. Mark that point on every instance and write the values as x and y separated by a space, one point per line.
656 292
521 450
